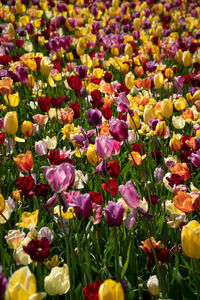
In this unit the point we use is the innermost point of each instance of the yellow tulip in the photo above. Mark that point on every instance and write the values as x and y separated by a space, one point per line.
22 285
128 50
136 24
45 66
11 123
161 129
159 30
148 114
28 219
58 274
180 103
114 51
27 128
190 239
175 143
111 290
158 80
2 203
134 121
179 55
187 59
30 82
167 108
12 99
92 155
130 80
169 73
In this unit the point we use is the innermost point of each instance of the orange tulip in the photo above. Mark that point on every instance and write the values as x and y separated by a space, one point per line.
185 202
181 169
135 158
24 161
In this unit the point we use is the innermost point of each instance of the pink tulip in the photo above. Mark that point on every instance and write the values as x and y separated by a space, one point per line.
104 146
130 194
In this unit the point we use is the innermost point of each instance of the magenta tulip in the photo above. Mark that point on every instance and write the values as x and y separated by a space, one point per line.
130 194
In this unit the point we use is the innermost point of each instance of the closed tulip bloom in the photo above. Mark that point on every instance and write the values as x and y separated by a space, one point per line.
111 290
180 103
190 239
12 99
58 281
187 59
94 117
128 50
167 108
153 285
114 213
149 113
22 285
82 205
158 80
14 238
24 161
119 130
60 177
45 66
130 194
136 23
11 123
92 155
41 148
27 128
175 143
161 129
134 121
179 55
104 146
130 80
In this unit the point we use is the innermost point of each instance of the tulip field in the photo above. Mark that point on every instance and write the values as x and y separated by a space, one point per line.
99 149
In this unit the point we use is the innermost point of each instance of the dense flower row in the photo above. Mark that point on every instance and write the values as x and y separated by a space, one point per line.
99 149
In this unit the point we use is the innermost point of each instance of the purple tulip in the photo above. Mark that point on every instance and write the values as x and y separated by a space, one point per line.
21 31
22 74
197 143
47 233
41 148
114 213
104 146
195 159
119 130
82 71
60 177
158 174
122 102
3 284
82 205
94 117
30 28
130 194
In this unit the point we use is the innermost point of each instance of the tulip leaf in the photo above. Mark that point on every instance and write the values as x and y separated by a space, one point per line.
124 269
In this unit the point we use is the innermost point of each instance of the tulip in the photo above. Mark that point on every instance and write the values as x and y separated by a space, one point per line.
57 275
60 177
30 82
27 128
128 50
82 205
130 80
104 146
119 130
187 59
195 159
161 129
190 239
180 103
179 55
14 238
51 143
94 117
158 80
24 161
2 203
178 122
130 194
11 123
153 285
148 114
134 121
114 213
136 24
175 143
45 66
167 108
111 290
92 155
20 256
67 115
12 99
22 285
41 148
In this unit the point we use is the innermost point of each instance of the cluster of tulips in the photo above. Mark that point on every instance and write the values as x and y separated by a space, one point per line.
99 149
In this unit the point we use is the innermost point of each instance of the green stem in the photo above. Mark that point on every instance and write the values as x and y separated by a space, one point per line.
39 276
117 268
195 278
88 253
80 255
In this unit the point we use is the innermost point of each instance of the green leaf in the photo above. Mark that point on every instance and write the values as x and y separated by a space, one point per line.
124 269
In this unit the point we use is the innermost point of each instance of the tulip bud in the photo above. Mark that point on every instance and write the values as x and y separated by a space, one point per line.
11 123
158 80
175 143
161 129
153 285
190 239
187 59
148 114
128 50
130 80
167 108
179 55
27 128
